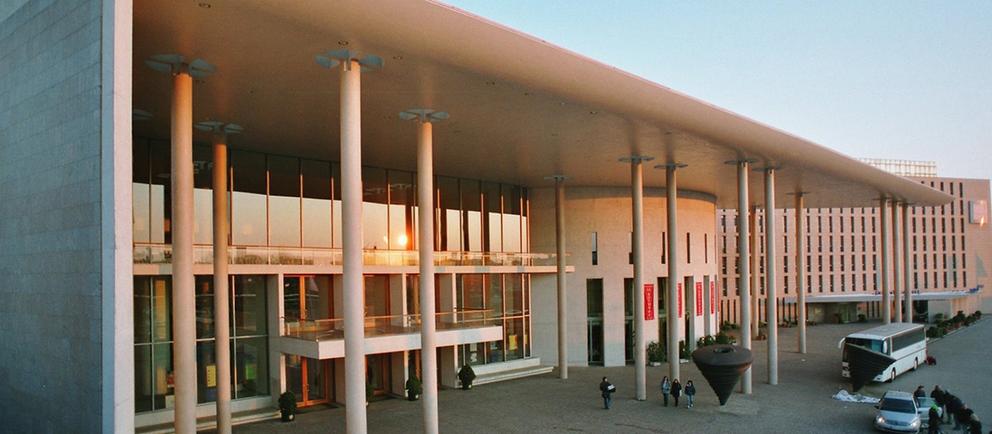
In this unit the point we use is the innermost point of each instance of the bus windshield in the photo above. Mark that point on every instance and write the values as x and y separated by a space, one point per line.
871 344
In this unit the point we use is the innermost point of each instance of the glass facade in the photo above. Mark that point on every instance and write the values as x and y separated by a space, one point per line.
279 201
503 296
153 382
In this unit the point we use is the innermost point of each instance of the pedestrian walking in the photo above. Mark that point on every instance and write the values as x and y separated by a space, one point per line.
951 405
607 389
975 425
920 392
676 391
690 393
666 388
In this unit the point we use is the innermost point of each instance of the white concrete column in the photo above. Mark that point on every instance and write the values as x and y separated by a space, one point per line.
771 296
222 305
744 263
560 259
896 261
906 271
674 278
755 272
351 64
884 243
425 246
637 248
183 296
801 268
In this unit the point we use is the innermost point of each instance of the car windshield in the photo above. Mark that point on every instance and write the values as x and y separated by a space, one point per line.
898 405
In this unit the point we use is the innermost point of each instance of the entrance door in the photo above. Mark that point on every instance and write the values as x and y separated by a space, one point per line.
594 320
307 298
377 368
308 379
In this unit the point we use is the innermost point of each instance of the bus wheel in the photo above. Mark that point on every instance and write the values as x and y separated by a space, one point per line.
916 364
892 375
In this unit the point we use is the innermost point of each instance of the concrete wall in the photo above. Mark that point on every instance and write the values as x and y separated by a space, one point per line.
57 143
606 211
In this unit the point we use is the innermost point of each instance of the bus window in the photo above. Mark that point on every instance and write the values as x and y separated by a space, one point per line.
871 344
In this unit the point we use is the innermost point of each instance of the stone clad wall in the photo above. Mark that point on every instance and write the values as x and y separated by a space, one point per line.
50 293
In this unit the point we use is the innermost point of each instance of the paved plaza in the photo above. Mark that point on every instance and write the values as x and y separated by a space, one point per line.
800 403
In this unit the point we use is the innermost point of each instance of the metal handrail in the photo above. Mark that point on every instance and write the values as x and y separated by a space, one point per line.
381 325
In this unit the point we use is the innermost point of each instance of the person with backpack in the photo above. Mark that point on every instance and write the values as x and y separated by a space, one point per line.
676 391
666 388
690 393
607 389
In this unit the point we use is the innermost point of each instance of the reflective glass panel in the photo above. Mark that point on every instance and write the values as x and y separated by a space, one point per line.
316 203
143 380
142 310
375 212
494 221
284 201
472 216
514 294
206 372
140 193
204 307
162 375
514 338
160 195
249 305
401 210
248 201
251 370
449 215
203 201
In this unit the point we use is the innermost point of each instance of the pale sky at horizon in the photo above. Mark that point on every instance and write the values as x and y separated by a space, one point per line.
880 79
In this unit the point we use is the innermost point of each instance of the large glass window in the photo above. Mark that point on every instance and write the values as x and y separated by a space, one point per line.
472 216
284 201
140 193
493 215
154 382
375 212
203 195
316 203
160 195
401 210
449 214
512 240
248 201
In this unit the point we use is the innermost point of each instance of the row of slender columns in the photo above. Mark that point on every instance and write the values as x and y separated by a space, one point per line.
897 282
771 294
906 271
637 242
801 269
744 263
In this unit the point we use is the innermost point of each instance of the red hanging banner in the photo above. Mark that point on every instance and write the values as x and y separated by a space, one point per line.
712 297
678 296
699 298
648 301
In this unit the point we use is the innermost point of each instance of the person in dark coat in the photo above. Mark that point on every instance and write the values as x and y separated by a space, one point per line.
975 425
933 423
676 391
920 392
690 393
666 388
607 389
938 395
962 417
951 405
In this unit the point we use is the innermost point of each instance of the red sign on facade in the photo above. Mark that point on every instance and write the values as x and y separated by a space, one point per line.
678 297
648 301
712 297
699 298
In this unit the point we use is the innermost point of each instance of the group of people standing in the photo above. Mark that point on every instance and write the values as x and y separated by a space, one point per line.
954 409
674 389
668 388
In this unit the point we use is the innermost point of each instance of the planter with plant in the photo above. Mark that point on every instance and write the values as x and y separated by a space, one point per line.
466 375
287 406
414 388
656 354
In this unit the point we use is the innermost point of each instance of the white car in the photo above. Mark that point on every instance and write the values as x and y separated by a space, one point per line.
897 412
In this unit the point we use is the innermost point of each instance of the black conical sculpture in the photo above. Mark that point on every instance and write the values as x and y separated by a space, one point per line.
864 364
722 365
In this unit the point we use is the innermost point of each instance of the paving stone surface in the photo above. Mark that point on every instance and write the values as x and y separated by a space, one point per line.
801 403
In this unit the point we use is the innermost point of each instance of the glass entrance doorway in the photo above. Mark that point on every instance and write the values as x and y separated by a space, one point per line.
594 320
309 379
377 369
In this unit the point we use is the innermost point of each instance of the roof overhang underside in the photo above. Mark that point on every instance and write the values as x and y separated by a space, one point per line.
521 108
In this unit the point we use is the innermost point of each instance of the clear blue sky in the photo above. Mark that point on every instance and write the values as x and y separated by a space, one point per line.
884 79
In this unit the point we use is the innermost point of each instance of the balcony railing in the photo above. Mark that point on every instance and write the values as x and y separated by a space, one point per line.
162 254
333 328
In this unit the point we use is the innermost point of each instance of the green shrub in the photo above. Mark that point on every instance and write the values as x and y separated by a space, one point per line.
656 354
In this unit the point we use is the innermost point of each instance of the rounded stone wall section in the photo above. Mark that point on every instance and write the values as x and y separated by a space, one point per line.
598 224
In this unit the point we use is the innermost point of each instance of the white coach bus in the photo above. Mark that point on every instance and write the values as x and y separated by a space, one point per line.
904 342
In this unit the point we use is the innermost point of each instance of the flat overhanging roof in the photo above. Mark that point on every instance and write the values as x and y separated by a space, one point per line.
521 108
